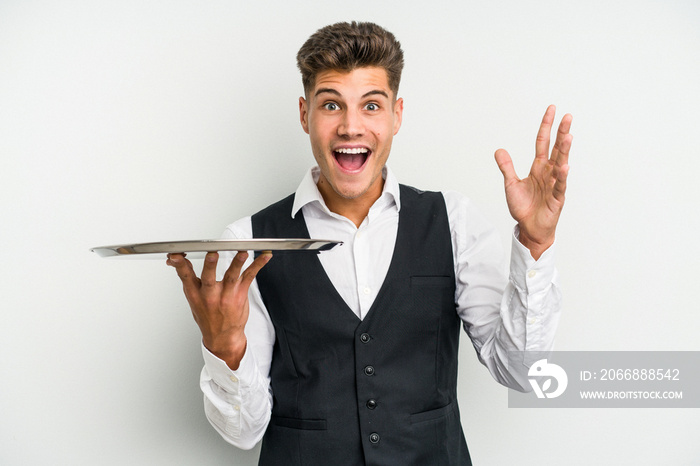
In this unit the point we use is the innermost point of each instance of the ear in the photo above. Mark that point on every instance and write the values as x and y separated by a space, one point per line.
304 114
398 114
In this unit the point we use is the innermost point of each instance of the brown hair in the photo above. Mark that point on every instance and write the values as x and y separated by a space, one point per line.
347 46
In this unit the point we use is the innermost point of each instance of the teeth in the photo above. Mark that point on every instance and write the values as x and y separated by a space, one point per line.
356 150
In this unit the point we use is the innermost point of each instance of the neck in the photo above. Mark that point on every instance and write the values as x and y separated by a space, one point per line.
354 209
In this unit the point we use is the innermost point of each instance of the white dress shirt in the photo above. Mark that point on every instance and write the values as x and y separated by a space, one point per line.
499 315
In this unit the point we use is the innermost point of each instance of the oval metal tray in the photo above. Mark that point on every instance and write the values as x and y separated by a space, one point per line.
210 245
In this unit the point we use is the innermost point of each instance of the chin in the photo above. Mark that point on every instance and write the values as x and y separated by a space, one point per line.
350 194
350 190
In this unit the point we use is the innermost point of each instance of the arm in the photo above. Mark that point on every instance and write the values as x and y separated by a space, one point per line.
521 314
237 402
499 315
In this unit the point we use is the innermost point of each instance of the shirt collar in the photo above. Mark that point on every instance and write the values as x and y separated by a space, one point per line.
308 193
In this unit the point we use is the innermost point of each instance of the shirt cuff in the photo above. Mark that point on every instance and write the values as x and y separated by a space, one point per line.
222 375
530 275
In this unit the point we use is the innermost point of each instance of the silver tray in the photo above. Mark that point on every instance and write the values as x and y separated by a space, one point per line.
207 245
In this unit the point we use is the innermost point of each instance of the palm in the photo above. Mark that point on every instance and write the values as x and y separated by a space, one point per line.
536 202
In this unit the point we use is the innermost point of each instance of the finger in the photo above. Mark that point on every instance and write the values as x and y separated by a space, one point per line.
559 189
543 135
241 285
176 256
209 269
505 164
562 155
185 271
234 270
563 137
249 274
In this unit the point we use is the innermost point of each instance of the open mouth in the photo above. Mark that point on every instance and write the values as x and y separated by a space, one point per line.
351 159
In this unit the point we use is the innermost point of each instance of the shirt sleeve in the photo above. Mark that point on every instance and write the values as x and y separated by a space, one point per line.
500 315
238 404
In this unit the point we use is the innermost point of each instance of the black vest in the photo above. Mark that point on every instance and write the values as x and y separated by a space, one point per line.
378 391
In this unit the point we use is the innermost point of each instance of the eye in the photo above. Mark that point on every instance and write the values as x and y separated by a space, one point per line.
372 107
332 106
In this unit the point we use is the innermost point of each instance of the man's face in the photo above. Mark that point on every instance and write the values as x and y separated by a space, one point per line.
351 118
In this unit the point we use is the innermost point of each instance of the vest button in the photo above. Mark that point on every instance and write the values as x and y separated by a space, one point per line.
371 404
365 338
369 370
374 437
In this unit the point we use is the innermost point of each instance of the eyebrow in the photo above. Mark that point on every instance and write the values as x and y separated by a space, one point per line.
330 90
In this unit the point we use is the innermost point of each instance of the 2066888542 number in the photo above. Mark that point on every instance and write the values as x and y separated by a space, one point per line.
639 374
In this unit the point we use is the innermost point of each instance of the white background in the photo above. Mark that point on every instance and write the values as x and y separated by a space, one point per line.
141 120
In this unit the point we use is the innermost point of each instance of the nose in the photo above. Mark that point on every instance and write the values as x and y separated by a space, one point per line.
351 124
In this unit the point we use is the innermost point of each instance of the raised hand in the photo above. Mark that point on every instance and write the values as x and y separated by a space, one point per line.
536 202
220 308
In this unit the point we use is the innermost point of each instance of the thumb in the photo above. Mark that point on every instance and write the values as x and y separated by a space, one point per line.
505 164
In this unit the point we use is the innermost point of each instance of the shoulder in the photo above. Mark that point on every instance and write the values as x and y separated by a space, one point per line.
282 206
243 227
412 194
455 202
466 218
469 226
240 229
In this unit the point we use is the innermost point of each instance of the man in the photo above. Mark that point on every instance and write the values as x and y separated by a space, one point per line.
350 357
